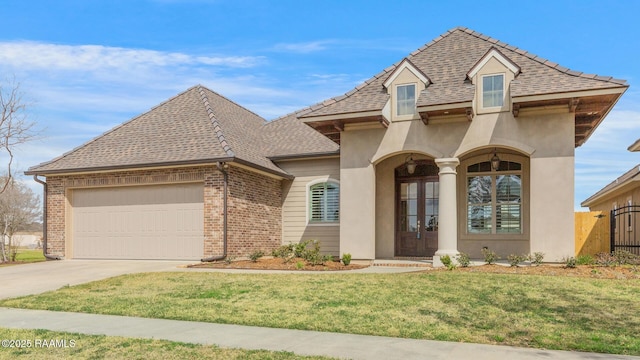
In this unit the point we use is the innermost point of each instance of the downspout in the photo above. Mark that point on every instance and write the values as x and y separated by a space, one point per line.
225 176
44 221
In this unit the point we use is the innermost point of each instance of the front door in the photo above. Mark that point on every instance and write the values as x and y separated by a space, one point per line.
417 217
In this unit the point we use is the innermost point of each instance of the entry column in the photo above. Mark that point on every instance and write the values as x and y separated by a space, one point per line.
447 211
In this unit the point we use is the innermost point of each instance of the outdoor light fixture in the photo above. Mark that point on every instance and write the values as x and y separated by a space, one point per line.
495 161
411 165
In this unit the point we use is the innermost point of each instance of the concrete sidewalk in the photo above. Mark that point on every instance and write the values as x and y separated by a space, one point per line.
296 341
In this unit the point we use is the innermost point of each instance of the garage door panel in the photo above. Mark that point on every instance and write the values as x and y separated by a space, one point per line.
144 222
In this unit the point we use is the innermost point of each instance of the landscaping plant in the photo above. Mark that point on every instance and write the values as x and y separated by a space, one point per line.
463 259
536 258
255 255
346 259
515 260
446 261
490 257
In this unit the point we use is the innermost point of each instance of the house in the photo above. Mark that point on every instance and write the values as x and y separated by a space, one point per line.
466 143
619 200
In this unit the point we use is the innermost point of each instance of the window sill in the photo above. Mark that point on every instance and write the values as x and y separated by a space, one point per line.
507 236
332 223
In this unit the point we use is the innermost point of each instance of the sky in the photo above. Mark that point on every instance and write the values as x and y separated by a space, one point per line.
86 66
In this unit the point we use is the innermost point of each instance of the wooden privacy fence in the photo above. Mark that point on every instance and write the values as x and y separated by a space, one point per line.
592 233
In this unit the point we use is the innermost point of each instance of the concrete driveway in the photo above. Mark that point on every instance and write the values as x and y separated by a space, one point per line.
29 279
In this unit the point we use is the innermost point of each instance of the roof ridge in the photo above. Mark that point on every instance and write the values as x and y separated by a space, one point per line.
65 154
231 101
539 59
214 121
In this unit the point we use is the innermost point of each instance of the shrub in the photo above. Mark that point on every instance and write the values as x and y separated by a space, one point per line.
490 257
229 259
346 259
299 265
312 255
514 260
446 261
283 251
585 260
569 262
536 258
463 259
605 259
300 248
255 255
623 257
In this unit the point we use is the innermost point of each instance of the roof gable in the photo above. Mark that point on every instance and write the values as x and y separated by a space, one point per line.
408 65
494 53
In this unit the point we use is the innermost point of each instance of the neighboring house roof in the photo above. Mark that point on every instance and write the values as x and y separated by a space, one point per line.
196 126
635 146
620 184
447 59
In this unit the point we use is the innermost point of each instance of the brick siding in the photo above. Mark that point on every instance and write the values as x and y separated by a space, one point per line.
255 212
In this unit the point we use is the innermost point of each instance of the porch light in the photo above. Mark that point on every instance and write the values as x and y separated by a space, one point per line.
411 165
495 161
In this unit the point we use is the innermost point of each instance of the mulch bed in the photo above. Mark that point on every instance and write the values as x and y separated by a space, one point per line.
601 272
278 264
589 271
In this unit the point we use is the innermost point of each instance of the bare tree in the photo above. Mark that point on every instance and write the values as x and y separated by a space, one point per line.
19 206
15 128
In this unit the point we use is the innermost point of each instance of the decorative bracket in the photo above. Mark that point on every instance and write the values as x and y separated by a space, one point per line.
425 118
469 113
384 122
573 104
516 110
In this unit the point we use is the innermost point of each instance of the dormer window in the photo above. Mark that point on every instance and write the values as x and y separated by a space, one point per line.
493 91
406 99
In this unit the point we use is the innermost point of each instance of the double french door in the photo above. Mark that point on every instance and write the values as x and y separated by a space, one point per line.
417 217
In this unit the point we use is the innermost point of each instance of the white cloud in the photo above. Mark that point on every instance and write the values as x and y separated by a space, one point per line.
303 47
35 55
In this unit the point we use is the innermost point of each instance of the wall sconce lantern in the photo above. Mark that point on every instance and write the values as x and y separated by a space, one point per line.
495 161
411 164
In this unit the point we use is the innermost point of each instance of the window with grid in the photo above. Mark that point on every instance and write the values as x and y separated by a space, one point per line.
493 90
494 198
324 202
406 99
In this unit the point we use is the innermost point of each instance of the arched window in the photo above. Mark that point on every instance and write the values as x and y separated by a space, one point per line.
324 202
494 198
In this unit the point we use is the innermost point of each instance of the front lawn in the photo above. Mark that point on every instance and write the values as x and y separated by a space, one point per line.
552 312
43 344
26 256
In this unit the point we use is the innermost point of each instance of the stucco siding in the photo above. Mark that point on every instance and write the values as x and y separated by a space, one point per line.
295 223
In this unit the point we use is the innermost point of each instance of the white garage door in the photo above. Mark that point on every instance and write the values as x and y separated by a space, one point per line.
139 222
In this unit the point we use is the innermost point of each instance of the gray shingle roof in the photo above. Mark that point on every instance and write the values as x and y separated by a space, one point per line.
446 61
288 136
196 126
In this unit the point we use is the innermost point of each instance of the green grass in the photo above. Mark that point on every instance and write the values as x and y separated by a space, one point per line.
111 347
27 255
565 313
